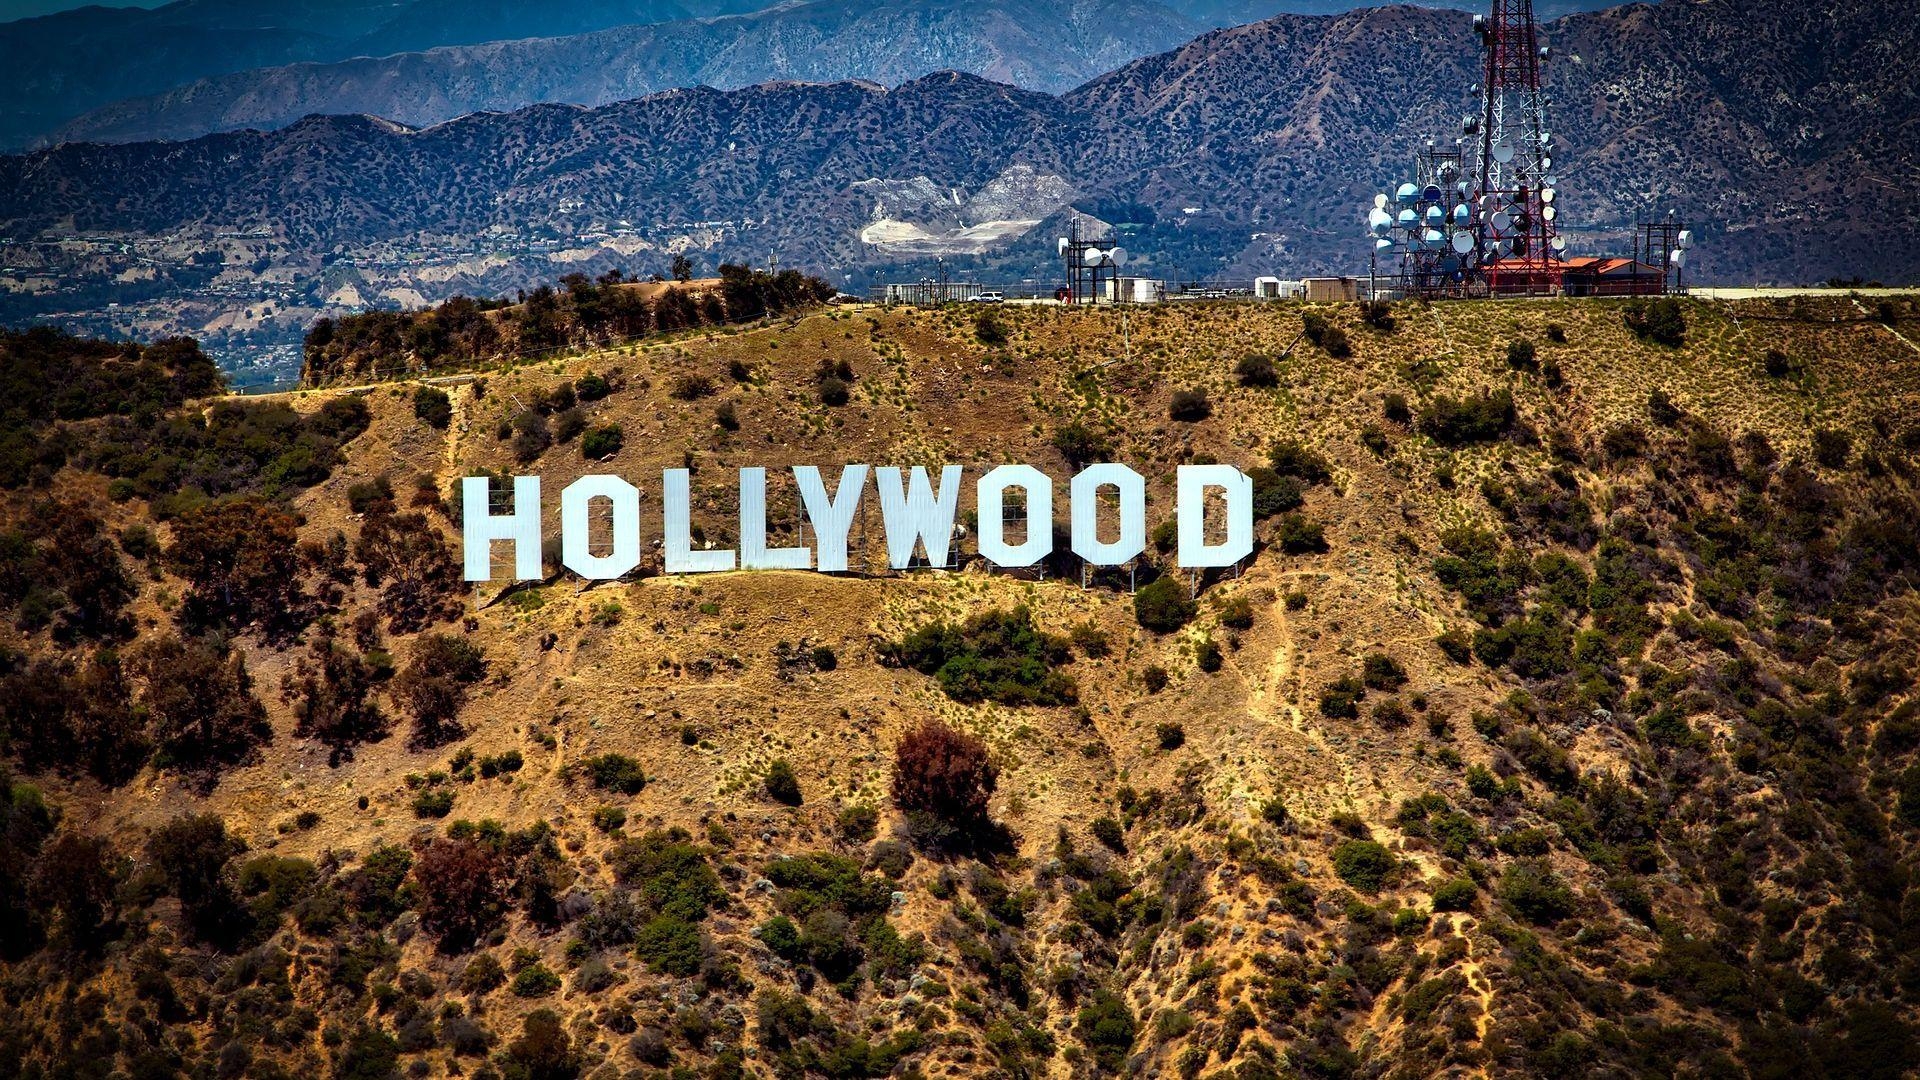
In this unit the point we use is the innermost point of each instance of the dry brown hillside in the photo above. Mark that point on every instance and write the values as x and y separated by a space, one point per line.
1578 740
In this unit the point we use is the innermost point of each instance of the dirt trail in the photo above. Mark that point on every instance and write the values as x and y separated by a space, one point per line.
1477 980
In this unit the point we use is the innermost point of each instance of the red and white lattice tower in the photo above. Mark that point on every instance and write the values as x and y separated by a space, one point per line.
1519 249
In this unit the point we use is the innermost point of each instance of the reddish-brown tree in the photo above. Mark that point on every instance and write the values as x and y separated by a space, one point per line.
462 891
242 560
940 771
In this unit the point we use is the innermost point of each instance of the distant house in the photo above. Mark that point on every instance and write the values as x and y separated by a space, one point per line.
1324 290
1135 290
1589 276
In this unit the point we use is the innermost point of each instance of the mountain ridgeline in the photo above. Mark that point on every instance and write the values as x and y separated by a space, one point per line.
1254 145
1564 720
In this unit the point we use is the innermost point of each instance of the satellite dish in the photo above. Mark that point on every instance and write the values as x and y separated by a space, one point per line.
1678 258
1063 245
1379 220
1434 238
1408 219
1546 163
1559 243
1431 193
1435 215
1462 215
1552 181
1546 139
1547 195
1462 188
1487 203
1092 254
1118 255
1463 242
1549 214
1382 245
1503 152
1685 239
1379 202
1408 193
1500 221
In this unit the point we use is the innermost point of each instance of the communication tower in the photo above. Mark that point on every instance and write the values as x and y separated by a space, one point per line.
1520 249
1663 246
1480 220
1087 264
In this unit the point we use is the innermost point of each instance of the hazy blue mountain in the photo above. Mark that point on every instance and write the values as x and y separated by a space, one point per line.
203 65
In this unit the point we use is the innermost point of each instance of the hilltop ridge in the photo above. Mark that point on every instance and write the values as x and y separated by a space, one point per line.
1561 721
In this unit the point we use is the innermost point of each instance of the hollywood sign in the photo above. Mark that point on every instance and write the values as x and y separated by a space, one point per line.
915 511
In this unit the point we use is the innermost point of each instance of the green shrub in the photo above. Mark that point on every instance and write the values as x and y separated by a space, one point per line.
1521 355
535 981
1237 614
1341 699
1206 655
1108 832
430 403
669 872
1363 864
1107 1027
1299 536
1452 421
433 803
1382 672
1190 405
1163 606
1660 320
482 973
1536 892
1172 736
1080 444
602 442
998 656
1457 644
670 945
1458 894
781 783
615 772
1256 371
609 818
780 936
834 391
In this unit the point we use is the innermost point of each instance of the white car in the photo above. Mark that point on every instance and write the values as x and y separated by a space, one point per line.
989 298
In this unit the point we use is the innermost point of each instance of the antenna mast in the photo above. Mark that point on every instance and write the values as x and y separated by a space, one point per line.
1517 241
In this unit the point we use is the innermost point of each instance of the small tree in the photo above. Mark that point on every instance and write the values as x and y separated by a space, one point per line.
433 686
462 891
191 853
782 785
330 692
943 772
1163 606
409 559
241 560
199 698
602 442
682 268
1190 405
430 403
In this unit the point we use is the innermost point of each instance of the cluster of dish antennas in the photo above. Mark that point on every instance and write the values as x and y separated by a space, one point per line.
1093 255
1446 218
1677 258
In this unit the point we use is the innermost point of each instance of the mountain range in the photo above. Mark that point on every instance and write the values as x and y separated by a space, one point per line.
1270 135
197 66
